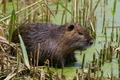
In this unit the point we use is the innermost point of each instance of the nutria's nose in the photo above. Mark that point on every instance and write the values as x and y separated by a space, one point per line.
91 42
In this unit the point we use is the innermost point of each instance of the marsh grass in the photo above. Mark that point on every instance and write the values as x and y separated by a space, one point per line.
24 11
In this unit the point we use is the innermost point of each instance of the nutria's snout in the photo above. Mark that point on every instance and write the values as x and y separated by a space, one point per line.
91 42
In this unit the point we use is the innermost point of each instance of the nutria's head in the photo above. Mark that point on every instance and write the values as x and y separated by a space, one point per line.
76 37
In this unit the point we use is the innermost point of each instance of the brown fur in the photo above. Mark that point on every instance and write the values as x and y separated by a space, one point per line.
57 42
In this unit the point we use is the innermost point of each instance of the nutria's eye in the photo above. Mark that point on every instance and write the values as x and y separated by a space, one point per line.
71 27
80 33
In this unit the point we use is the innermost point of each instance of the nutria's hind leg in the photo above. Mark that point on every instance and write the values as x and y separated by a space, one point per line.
70 58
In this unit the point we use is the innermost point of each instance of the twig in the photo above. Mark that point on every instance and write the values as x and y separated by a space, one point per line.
112 26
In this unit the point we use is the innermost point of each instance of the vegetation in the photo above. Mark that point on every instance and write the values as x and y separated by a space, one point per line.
15 13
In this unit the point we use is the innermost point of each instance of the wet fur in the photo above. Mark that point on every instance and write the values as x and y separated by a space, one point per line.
57 42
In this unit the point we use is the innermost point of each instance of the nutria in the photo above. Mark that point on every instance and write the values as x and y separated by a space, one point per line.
57 42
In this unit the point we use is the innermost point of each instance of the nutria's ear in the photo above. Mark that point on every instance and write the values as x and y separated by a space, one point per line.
70 27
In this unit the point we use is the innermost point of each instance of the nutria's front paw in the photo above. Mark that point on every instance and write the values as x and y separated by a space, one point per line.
74 59
59 62
70 58
59 65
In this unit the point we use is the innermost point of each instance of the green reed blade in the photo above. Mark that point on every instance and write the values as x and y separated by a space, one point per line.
114 8
65 8
24 52
12 24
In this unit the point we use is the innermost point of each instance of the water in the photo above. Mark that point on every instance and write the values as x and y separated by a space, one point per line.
99 42
70 71
108 22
